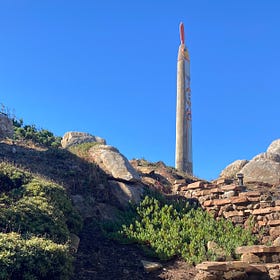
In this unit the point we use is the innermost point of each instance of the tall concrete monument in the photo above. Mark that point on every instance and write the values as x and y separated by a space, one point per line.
183 159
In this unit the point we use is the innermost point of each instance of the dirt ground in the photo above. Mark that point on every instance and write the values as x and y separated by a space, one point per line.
101 258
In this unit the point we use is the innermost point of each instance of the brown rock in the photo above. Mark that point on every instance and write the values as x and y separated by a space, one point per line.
267 210
231 188
219 202
233 214
251 193
208 203
277 202
206 275
239 200
196 185
276 242
216 266
254 249
250 258
274 223
235 274
274 232
274 274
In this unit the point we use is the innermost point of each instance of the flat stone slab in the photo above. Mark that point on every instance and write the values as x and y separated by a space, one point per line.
255 249
195 185
263 211
237 265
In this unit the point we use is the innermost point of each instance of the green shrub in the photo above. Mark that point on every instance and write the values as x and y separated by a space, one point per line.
34 258
167 232
32 206
39 136
41 208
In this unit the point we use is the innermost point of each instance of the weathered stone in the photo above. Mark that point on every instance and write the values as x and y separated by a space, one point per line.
274 274
111 161
125 193
250 258
253 199
6 126
218 251
251 194
235 274
216 190
208 203
273 223
257 268
254 249
274 232
74 138
263 211
229 194
239 200
232 169
195 185
237 220
233 214
277 202
261 223
274 147
151 266
262 169
220 202
206 275
216 266
276 242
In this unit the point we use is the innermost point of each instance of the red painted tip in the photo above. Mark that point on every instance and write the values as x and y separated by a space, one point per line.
182 33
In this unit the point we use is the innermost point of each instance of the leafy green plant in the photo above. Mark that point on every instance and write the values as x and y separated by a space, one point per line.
34 258
40 136
42 215
165 231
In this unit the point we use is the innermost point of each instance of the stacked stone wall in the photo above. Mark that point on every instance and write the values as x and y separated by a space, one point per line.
259 209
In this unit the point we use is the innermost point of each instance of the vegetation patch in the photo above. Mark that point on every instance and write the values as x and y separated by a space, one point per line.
39 136
34 258
166 230
82 150
36 218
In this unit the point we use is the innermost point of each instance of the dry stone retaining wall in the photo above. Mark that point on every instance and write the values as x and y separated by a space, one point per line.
243 207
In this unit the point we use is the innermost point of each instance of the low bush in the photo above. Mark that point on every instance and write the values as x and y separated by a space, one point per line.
166 232
34 258
43 217
31 132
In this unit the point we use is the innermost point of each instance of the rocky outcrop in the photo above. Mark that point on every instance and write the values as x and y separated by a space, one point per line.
74 138
6 126
231 170
111 161
264 167
125 193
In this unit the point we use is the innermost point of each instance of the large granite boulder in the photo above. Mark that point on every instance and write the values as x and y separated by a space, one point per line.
111 161
274 147
74 138
232 169
263 168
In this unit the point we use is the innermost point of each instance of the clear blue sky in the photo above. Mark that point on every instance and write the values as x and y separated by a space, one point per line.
109 68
